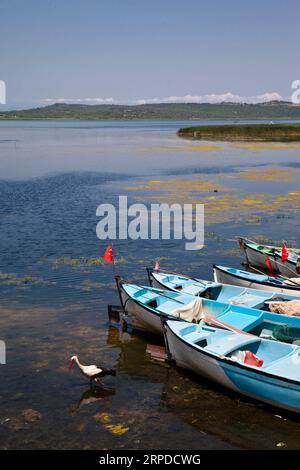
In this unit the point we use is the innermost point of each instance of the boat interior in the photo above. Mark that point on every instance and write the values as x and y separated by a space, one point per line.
278 358
221 292
272 251
261 324
251 276
258 278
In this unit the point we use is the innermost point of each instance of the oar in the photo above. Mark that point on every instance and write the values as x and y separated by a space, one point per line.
283 277
286 267
215 322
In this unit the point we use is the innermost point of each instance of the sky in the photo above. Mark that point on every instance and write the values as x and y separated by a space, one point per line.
139 51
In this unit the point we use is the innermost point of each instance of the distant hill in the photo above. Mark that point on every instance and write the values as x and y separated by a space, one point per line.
167 111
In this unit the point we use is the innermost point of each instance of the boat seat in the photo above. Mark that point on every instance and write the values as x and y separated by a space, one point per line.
139 293
240 320
168 307
193 289
288 366
247 299
166 279
196 336
230 343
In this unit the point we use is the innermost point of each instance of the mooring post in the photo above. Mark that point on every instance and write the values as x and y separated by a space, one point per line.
149 270
163 324
118 283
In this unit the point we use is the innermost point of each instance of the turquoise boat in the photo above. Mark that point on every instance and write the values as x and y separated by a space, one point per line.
219 355
213 290
238 277
146 307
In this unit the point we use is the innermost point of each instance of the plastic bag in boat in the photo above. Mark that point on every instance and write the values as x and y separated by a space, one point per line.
291 307
247 357
192 312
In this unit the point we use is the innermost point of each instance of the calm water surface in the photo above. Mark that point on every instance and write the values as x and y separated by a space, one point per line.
54 295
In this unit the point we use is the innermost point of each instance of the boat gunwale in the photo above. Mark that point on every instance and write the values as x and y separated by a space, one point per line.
197 348
165 287
150 309
266 283
233 363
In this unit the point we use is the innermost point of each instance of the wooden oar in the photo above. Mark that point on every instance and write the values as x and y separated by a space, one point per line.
215 322
283 277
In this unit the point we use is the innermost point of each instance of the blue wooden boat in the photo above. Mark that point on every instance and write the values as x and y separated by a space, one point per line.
145 308
214 290
238 277
216 355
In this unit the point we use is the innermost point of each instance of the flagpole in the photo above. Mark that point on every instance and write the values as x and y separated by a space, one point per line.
113 261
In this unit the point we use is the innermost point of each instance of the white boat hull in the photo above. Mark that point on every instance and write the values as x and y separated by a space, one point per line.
155 283
227 278
139 317
258 259
273 392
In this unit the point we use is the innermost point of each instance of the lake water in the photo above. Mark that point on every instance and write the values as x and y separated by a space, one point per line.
54 295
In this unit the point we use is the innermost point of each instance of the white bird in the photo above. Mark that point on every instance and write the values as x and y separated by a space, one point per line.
92 372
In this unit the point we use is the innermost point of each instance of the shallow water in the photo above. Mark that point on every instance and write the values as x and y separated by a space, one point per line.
54 297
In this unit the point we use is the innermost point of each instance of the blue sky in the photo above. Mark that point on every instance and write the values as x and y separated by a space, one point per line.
131 51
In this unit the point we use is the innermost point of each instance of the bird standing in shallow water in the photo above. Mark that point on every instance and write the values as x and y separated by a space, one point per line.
91 372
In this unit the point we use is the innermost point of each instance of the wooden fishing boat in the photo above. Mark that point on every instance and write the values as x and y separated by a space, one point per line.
146 307
216 290
238 277
217 355
256 256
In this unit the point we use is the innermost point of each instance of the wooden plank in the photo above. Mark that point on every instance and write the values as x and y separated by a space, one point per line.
114 313
156 352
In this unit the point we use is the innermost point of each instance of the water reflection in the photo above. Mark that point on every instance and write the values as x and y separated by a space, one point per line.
205 406
92 395
54 297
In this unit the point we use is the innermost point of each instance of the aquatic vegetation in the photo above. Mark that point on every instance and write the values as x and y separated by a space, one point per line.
223 205
264 240
31 415
235 251
14 279
256 146
268 174
117 429
197 147
179 184
89 285
83 262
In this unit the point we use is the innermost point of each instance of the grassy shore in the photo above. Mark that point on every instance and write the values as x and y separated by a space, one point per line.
244 132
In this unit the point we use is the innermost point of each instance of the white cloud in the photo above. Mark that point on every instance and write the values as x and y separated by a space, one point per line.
213 98
78 100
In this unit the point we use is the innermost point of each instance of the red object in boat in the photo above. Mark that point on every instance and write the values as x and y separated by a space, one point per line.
252 360
284 253
269 266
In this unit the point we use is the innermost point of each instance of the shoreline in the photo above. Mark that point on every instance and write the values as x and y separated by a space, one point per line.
279 132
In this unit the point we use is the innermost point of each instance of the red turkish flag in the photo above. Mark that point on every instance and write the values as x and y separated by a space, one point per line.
108 254
284 253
